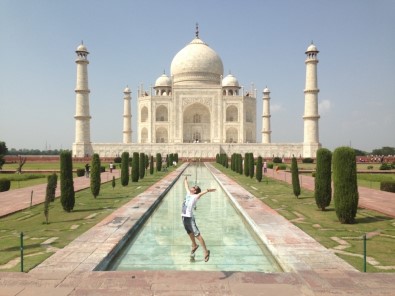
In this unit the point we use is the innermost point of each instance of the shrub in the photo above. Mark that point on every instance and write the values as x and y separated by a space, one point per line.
308 160
323 179
385 166
95 175
151 165
50 194
176 157
345 188
113 182
313 174
67 194
141 166
277 160
118 159
246 164
102 169
158 162
387 186
259 169
125 169
135 167
80 172
370 167
5 185
270 165
295 177
251 165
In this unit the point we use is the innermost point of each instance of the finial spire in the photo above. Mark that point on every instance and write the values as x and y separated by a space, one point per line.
197 30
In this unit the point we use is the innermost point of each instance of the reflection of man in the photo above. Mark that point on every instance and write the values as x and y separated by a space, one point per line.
193 195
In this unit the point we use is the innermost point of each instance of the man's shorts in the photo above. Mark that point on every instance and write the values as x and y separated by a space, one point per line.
190 225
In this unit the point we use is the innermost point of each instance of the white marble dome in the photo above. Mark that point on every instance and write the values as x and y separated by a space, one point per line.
163 80
197 63
127 90
81 47
266 90
311 48
230 80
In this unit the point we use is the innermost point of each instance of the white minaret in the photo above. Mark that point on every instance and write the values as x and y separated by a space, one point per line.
266 132
82 146
311 116
127 116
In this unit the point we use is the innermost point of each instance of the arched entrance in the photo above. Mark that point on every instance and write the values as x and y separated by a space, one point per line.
196 124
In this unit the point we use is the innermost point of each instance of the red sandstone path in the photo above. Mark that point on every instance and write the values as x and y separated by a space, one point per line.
18 199
377 200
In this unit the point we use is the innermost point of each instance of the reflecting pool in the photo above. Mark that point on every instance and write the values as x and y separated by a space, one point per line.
163 244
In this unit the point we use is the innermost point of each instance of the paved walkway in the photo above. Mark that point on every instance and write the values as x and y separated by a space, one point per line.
70 270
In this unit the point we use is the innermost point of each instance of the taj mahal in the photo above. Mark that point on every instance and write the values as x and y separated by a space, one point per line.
196 111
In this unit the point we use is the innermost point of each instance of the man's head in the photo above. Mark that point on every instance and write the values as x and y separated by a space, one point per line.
196 189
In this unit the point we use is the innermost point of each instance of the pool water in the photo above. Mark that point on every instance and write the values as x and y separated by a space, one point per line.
163 244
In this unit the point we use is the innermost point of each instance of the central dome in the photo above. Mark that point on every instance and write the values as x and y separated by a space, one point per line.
197 63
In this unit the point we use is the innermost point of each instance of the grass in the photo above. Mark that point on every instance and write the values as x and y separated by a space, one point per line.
63 226
323 226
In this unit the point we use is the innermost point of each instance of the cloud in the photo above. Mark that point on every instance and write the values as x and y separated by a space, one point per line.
324 106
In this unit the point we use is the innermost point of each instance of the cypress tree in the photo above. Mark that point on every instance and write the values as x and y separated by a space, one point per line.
295 177
95 175
67 195
158 162
146 161
259 169
50 194
345 188
151 165
176 157
246 164
113 182
251 166
125 169
240 164
135 167
323 179
141 166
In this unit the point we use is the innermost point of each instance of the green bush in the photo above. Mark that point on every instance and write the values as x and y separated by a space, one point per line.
102 169
277 160
385 167
135 167
158 162
259 169
5 185
388 186
151 165
141 165
67 194
323 179
370 167
125 169
270 165
95 175
80 172
251 165
345 188
295 177
308 160
118 159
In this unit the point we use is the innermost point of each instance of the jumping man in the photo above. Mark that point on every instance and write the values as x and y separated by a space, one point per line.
193 195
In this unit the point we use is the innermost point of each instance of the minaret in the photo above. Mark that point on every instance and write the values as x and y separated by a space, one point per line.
266 132
82 146
311 116
127 116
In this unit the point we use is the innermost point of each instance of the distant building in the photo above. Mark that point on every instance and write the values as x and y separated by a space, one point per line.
196 112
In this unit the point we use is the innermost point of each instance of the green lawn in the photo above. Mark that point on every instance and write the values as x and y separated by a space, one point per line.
324 226
63 226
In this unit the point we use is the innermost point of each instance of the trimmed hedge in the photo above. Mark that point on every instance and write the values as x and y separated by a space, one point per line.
5 185
388 186
345 188
125 169
323 179
80 172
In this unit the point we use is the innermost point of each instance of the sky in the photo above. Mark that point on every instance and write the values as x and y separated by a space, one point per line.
260 42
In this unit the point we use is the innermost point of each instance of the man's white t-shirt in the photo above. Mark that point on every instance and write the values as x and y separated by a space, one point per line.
188 205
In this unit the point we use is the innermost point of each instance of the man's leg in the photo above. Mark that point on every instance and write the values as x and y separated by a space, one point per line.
203 243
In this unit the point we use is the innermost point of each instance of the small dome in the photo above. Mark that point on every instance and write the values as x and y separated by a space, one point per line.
230 80
163 80
81 47
311 48
266 90
127 90
197 63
